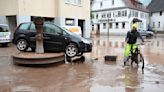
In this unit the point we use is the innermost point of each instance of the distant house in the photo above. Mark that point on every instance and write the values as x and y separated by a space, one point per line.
115 16
156 8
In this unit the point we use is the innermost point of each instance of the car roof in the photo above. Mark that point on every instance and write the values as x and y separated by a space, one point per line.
33 23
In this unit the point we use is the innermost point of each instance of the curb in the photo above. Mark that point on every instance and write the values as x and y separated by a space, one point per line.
34 58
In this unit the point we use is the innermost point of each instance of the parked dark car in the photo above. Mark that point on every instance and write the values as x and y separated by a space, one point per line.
56 39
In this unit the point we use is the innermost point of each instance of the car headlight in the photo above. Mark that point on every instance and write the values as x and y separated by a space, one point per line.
86 41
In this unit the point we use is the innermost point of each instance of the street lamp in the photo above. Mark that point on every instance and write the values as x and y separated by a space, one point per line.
108 27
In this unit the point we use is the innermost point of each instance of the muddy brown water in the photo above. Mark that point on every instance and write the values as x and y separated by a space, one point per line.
93 75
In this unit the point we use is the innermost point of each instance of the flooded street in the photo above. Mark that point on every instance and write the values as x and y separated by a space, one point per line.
93 75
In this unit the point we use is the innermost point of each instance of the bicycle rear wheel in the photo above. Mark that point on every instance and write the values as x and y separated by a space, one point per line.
141 60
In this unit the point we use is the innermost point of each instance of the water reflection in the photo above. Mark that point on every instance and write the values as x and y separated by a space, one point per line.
102 47
132 80
155 46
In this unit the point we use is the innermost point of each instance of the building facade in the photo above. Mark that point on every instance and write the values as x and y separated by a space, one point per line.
61 12
115 16
156 9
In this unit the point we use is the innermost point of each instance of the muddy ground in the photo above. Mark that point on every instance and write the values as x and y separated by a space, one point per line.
92 75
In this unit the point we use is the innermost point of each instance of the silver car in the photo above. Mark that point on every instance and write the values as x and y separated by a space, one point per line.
146 33
5 35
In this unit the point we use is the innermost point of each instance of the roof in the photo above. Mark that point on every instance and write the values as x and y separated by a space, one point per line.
135 4
132 4
156 6
107 9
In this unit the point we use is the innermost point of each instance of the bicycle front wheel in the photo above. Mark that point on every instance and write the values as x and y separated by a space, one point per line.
141 60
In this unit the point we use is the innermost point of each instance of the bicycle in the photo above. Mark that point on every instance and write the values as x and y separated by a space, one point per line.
136 56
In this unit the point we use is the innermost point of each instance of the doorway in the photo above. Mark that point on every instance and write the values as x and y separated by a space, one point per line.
98 29
81 24
12 22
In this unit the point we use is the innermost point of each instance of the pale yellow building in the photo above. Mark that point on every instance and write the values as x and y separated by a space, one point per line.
61 12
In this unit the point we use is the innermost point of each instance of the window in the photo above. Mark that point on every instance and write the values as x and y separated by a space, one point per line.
69 21
97 16
125 13
79 2
136 14
116 25
112 2
153 24
110 25
159 24
75 2
109 15
119 13
103 15
123 25
4 28
32 27
24 26
151 14
160 13
92 16
92 27
101 4
52 29
104 25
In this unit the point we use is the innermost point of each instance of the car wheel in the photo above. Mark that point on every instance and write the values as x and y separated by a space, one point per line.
71 50
22 45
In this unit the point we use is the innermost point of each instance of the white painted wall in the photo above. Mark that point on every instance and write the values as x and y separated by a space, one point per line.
157 18
107 4
75 11
8 7
96 9
87 25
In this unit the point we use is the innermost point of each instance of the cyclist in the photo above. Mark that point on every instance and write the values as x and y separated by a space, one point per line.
130 40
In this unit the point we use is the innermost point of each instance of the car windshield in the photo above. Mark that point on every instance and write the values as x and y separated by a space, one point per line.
4 28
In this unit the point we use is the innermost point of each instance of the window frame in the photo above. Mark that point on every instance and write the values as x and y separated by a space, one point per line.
117 24
123 25
160 13
104 25
24 24
54 32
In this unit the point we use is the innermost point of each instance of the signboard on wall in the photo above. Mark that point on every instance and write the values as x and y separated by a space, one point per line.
69 21
107 20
